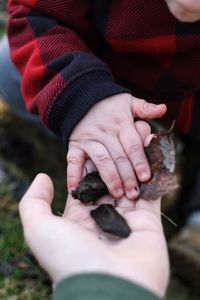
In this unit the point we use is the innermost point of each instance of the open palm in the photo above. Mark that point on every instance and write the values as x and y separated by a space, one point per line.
73 243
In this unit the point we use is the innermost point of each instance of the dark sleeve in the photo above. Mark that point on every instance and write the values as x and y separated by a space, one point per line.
52 44
100 287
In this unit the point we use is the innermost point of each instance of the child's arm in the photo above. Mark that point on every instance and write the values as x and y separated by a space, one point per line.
63 81
51 44
185 10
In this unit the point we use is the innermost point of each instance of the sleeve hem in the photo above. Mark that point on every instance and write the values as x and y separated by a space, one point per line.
78 97
94 286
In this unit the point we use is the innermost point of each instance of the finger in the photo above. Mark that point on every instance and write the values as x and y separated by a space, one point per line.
124 167
148 139
133 147
125 203
152 205
145 110
38 198
143 129
106 167
146 215
72 203
184 11
140 204
75 164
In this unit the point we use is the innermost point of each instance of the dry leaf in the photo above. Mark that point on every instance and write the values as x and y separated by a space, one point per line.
161 156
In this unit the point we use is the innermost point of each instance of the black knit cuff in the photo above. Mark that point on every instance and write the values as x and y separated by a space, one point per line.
80 95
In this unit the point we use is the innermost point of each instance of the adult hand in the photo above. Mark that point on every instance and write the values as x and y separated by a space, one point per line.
185 10
108 136
72 244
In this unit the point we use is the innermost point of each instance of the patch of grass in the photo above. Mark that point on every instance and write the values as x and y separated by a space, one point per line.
179 291
2 24
26 289
1 32
20 276
9 240
23 279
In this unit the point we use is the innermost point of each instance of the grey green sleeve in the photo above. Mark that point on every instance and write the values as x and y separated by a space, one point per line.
94 286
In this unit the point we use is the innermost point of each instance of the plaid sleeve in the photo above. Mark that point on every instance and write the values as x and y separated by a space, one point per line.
52 45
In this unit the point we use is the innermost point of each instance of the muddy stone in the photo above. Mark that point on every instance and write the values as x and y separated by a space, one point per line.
110 221
91 188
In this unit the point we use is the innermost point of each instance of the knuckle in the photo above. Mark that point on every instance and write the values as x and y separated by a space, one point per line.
73 160
145 108
102 158
71 178
114 181
129 181
140 165
134 148
120 159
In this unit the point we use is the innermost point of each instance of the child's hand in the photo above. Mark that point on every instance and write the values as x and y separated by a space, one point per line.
185 10
110 138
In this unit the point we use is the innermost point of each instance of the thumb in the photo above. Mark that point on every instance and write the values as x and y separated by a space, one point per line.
184 10
143 109
37 200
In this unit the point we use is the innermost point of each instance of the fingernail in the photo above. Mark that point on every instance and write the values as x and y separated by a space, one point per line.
71 189
134 193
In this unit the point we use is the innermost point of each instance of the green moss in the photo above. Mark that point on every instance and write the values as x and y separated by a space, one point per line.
26 289
179 291
1 33
20 277
24 279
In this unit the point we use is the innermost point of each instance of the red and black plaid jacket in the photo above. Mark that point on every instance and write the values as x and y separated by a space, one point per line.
74 53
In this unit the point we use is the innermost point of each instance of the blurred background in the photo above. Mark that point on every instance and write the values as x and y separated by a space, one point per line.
26 150
3 15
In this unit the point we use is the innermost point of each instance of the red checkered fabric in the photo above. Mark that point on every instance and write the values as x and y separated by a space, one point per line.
72 54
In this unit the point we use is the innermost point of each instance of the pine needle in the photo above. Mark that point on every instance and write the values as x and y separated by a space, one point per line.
168 219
